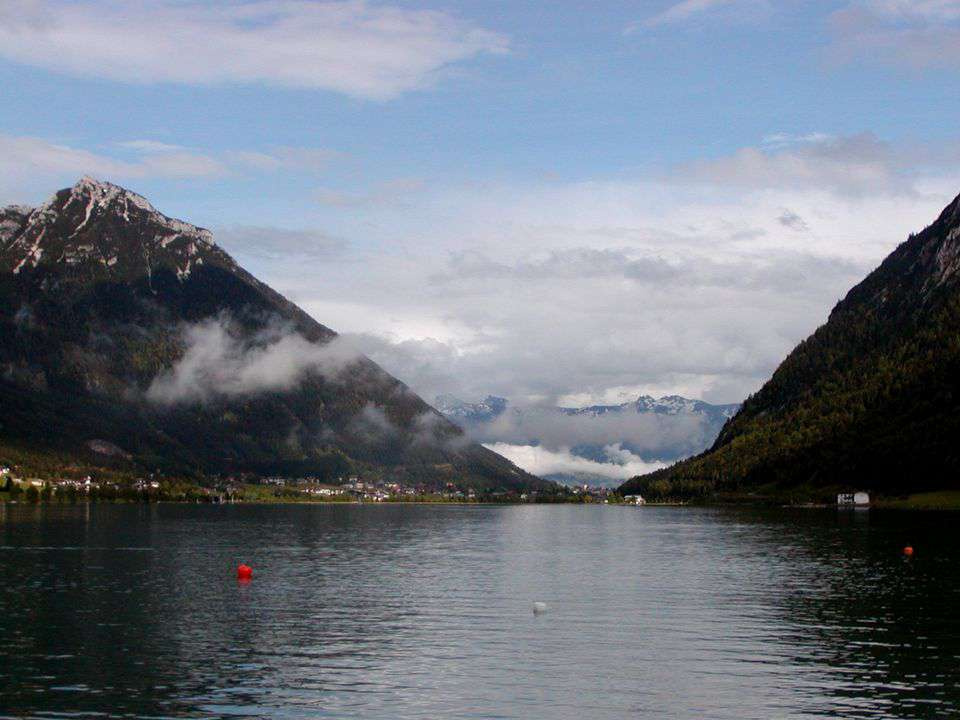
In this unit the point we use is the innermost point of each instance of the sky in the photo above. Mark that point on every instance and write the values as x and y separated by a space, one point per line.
564 202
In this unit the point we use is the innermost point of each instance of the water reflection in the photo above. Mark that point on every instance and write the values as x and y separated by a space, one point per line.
873 629
425 612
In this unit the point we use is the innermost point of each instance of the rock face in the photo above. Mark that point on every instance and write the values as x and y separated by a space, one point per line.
123 328
871 400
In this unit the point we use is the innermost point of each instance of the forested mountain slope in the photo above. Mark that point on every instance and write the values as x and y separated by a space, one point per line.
870 400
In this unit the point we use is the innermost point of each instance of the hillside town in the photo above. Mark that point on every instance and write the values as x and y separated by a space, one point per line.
15 485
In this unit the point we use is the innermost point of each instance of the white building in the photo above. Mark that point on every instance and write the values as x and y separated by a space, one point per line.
854 499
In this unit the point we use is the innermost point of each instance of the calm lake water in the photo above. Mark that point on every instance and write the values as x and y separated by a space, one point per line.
426 612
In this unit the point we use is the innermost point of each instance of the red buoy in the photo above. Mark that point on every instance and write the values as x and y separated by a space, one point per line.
244 572
908 551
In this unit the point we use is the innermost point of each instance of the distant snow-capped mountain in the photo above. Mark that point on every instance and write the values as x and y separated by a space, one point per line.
492 407
456 409
589 444
667 405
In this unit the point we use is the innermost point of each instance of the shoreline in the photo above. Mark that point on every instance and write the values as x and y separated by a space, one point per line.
917 502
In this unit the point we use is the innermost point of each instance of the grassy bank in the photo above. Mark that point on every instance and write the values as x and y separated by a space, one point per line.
942 500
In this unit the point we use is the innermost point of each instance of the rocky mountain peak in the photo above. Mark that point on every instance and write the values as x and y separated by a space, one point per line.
102 192
922 270
948 253
95 198
951 213
101 227
91 200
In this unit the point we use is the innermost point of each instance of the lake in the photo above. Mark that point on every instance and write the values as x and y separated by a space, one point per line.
420 611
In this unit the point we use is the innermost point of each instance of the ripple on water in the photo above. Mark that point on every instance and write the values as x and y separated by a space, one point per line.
425 611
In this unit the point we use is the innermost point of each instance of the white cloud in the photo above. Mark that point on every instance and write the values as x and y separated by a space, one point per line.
650 435
793 221
24 156
688 10
273 242
276 157
362 49
383 193
283 157
777 141
929 10
914 33
219 361
856 164
787 270
538 460
150 146
682 11
31 162
698 281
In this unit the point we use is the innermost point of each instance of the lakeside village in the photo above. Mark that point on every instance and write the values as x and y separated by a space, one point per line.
15 488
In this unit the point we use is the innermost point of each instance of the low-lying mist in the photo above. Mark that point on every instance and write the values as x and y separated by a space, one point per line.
221 360
618 464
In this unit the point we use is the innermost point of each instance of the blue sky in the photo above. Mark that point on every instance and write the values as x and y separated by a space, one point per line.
580 90
563 201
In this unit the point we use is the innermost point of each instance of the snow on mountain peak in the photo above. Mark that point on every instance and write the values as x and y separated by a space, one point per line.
103 193
98 221
99 195
452 406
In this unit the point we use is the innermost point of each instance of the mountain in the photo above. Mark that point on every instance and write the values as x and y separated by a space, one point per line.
131 340
870 401
486 410
715 415
492 407
646 430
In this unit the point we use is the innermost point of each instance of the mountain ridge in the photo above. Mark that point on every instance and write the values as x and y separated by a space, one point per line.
492 406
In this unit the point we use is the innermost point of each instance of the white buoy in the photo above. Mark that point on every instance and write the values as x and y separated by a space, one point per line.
539 608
